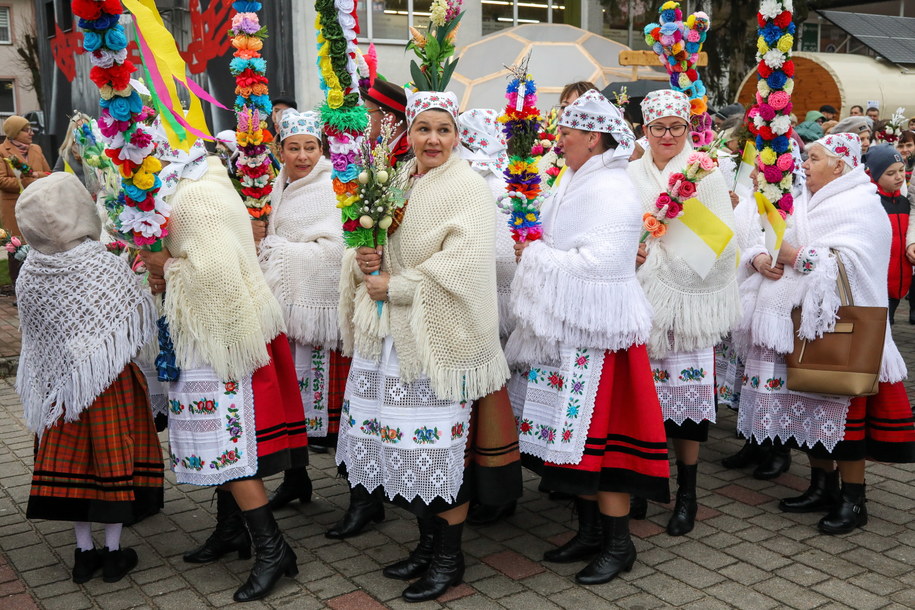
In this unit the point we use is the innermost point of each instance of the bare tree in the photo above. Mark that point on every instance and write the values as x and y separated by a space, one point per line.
28 62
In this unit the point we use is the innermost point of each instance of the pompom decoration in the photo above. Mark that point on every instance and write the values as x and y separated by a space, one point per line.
521 125
344 117
681 186
253 168
139 215
677 44
768 120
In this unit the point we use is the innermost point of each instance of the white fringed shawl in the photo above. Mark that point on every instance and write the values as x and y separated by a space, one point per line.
695 313
577 285
301 254
442 314
219 309
846 215
83 316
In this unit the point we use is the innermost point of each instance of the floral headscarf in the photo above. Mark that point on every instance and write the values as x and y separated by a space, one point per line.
846 146
591 111
483 140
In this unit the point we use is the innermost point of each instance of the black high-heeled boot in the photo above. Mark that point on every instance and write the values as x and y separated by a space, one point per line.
823 494
296 485
418 561
447 566
586 542
617 553
849 514
638 507
230 533
684 518
485 514
750 453
363 508
274 558
777 461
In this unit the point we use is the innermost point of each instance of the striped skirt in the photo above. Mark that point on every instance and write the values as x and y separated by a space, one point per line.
107 466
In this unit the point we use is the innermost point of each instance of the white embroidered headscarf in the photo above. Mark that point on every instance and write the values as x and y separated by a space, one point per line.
665 103
846 146
420 101
483 139
191 165
591 111
294 123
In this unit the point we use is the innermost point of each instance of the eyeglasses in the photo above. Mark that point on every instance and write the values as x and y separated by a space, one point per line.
676 131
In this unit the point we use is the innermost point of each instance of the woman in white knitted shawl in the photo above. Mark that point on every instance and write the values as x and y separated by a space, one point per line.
300 256
84 317
591 415
426 385
840 211
691 314
235 412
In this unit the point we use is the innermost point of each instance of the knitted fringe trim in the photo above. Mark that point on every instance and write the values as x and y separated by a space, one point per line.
567 309
370 328
76 391
506 317
195 347
452 383
524 349
697 320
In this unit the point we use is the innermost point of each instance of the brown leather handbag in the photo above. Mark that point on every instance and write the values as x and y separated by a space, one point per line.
846 361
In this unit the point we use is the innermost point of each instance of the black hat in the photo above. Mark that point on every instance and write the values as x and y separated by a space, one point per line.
828 108
287 101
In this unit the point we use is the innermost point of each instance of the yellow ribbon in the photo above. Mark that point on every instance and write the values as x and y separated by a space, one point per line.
706 225
770 214
749 153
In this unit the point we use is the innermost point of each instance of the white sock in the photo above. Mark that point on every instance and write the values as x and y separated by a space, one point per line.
83 535
113 535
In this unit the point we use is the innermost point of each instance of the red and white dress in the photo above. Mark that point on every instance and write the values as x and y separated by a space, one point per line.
586 410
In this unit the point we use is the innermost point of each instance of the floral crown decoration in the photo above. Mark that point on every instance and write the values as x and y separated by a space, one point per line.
677 44
436 48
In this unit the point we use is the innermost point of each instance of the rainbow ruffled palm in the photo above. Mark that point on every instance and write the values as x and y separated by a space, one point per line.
522 199
253 168
678 44
769 118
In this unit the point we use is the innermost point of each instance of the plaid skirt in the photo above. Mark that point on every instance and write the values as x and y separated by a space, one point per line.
107 466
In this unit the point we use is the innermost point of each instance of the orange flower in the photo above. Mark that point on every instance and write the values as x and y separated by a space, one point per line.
259 89
339 187
650 222
258 212
697 105
243 91
660 231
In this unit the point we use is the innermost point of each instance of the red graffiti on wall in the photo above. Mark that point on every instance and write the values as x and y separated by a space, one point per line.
208 33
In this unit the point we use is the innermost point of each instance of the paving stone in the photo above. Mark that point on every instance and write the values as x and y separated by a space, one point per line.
758 556
125 598
690 573
30 557
526 601
847 593
830 564
738 596
513 565
668 589
357 600
744 573
876 583
577 598
790 594
803 575
71 601
453 594
21 601
497 586
548 583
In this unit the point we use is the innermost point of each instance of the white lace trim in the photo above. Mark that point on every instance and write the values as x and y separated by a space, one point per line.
400 436
685 382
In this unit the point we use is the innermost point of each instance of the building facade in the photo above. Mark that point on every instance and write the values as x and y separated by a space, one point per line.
17 96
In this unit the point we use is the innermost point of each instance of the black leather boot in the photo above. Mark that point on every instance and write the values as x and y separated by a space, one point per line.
363 508
617 553
447 567
273 556
418 561
850 513
118 563
485 514
86 564
684 518
638 507
586 542
777 461
230 533
296 485
822 495
750 453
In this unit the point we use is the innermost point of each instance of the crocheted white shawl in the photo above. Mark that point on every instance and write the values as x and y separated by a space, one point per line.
846 215
219 309
83 316
301 254
577 286
690 313
442 313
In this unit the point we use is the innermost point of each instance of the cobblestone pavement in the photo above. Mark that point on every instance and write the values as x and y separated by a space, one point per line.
743 552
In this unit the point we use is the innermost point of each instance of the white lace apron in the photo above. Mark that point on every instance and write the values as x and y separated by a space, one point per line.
311 369
768 410
211 428
400 436
553 405
685 382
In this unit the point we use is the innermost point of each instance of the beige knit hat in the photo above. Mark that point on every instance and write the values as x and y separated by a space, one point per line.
56 214
13 125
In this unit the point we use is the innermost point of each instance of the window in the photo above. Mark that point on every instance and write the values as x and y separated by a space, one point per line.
6 33
7 97
390 20
504 14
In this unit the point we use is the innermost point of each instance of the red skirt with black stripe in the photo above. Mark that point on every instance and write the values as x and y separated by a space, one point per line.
626 448
879 427
107 466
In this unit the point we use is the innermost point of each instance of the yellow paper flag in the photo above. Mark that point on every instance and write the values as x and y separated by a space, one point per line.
704 223
773 225
67 168
698 236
